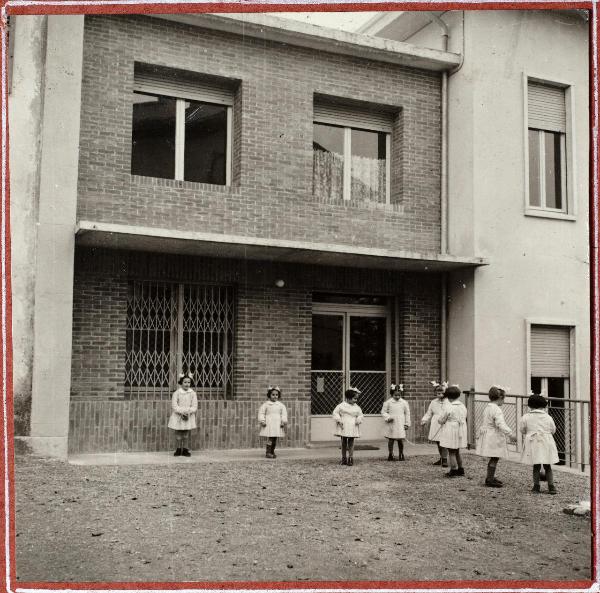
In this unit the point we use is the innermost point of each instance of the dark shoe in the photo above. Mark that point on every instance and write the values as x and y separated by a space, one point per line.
343 462
492 484
460 471
536 488
391 458
401 457
269 456
185 452
350 461
552 490
444 463
451 474
500 482
177 452
273 456
438 462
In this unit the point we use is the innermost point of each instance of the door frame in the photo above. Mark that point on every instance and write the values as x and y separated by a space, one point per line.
352 310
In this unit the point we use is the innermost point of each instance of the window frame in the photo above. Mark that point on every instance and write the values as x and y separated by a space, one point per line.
573 367
181 96
347 155
568 168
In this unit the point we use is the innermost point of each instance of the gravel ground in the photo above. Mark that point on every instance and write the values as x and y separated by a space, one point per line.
294 520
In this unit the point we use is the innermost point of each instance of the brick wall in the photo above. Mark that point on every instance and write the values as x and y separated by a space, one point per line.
271 195
272 337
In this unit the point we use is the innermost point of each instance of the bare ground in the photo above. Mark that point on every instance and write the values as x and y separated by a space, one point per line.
294 520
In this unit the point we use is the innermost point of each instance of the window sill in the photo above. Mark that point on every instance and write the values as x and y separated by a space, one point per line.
361 204
549 214
180 184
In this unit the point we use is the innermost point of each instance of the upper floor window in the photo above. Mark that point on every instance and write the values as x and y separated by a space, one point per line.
351 153
547 146
181 128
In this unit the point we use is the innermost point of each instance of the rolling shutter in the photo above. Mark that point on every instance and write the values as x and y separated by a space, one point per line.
546 107
183 88
550 351
352 117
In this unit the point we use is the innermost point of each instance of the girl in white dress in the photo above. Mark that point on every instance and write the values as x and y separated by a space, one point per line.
184 405
272 417
491 441
396 413
434 411
348 417
453 434
539 447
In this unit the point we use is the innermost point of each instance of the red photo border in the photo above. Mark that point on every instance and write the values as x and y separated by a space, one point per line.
7 524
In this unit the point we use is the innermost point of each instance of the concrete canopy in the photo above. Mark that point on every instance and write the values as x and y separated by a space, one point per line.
118 236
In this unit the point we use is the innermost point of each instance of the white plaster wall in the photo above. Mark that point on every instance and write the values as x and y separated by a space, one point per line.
539 266
24 107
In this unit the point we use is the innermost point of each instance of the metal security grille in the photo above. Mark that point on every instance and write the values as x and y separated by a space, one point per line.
372 385
327 391
172 328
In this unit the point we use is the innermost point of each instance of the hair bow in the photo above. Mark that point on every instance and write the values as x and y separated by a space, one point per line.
397 387
357 391
273 388
443 384
184 375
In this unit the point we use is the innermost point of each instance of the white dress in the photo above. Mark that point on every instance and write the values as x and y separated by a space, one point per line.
349 416
183 402
434 411
453 434
274 414
491 441
538 446
399 412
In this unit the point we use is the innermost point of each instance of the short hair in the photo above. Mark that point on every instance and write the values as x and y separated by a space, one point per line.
536 402
453 392
350 393
271 389
185 376
495 393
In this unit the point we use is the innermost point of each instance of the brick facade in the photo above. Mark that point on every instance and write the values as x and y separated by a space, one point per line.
272 343
271 193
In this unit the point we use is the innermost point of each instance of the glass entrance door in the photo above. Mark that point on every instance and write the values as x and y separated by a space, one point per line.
349 348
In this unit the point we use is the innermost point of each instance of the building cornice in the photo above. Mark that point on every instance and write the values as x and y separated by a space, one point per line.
267 27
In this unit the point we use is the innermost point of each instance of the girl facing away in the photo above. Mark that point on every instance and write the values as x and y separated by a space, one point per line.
348 417
434 411
453 434
539 447
272 417
493 433
184 405
396 413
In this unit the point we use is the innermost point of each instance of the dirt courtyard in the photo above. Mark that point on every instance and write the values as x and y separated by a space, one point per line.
294 520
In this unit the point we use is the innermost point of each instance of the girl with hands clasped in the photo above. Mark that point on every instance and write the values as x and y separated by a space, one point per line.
184 405
539 447
491 441
272 417
396 414
434 411
348 417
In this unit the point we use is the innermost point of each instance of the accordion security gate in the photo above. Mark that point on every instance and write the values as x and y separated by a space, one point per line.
174 328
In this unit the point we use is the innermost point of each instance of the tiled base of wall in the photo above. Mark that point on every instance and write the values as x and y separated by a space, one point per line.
101 426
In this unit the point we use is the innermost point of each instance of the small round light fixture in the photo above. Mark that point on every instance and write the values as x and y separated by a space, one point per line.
279 283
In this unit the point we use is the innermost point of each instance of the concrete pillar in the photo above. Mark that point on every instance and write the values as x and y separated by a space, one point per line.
25 102
51 381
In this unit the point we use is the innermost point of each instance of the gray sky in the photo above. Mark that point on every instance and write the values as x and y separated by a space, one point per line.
347 21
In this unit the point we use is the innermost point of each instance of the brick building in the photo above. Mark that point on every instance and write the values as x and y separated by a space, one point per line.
254 200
